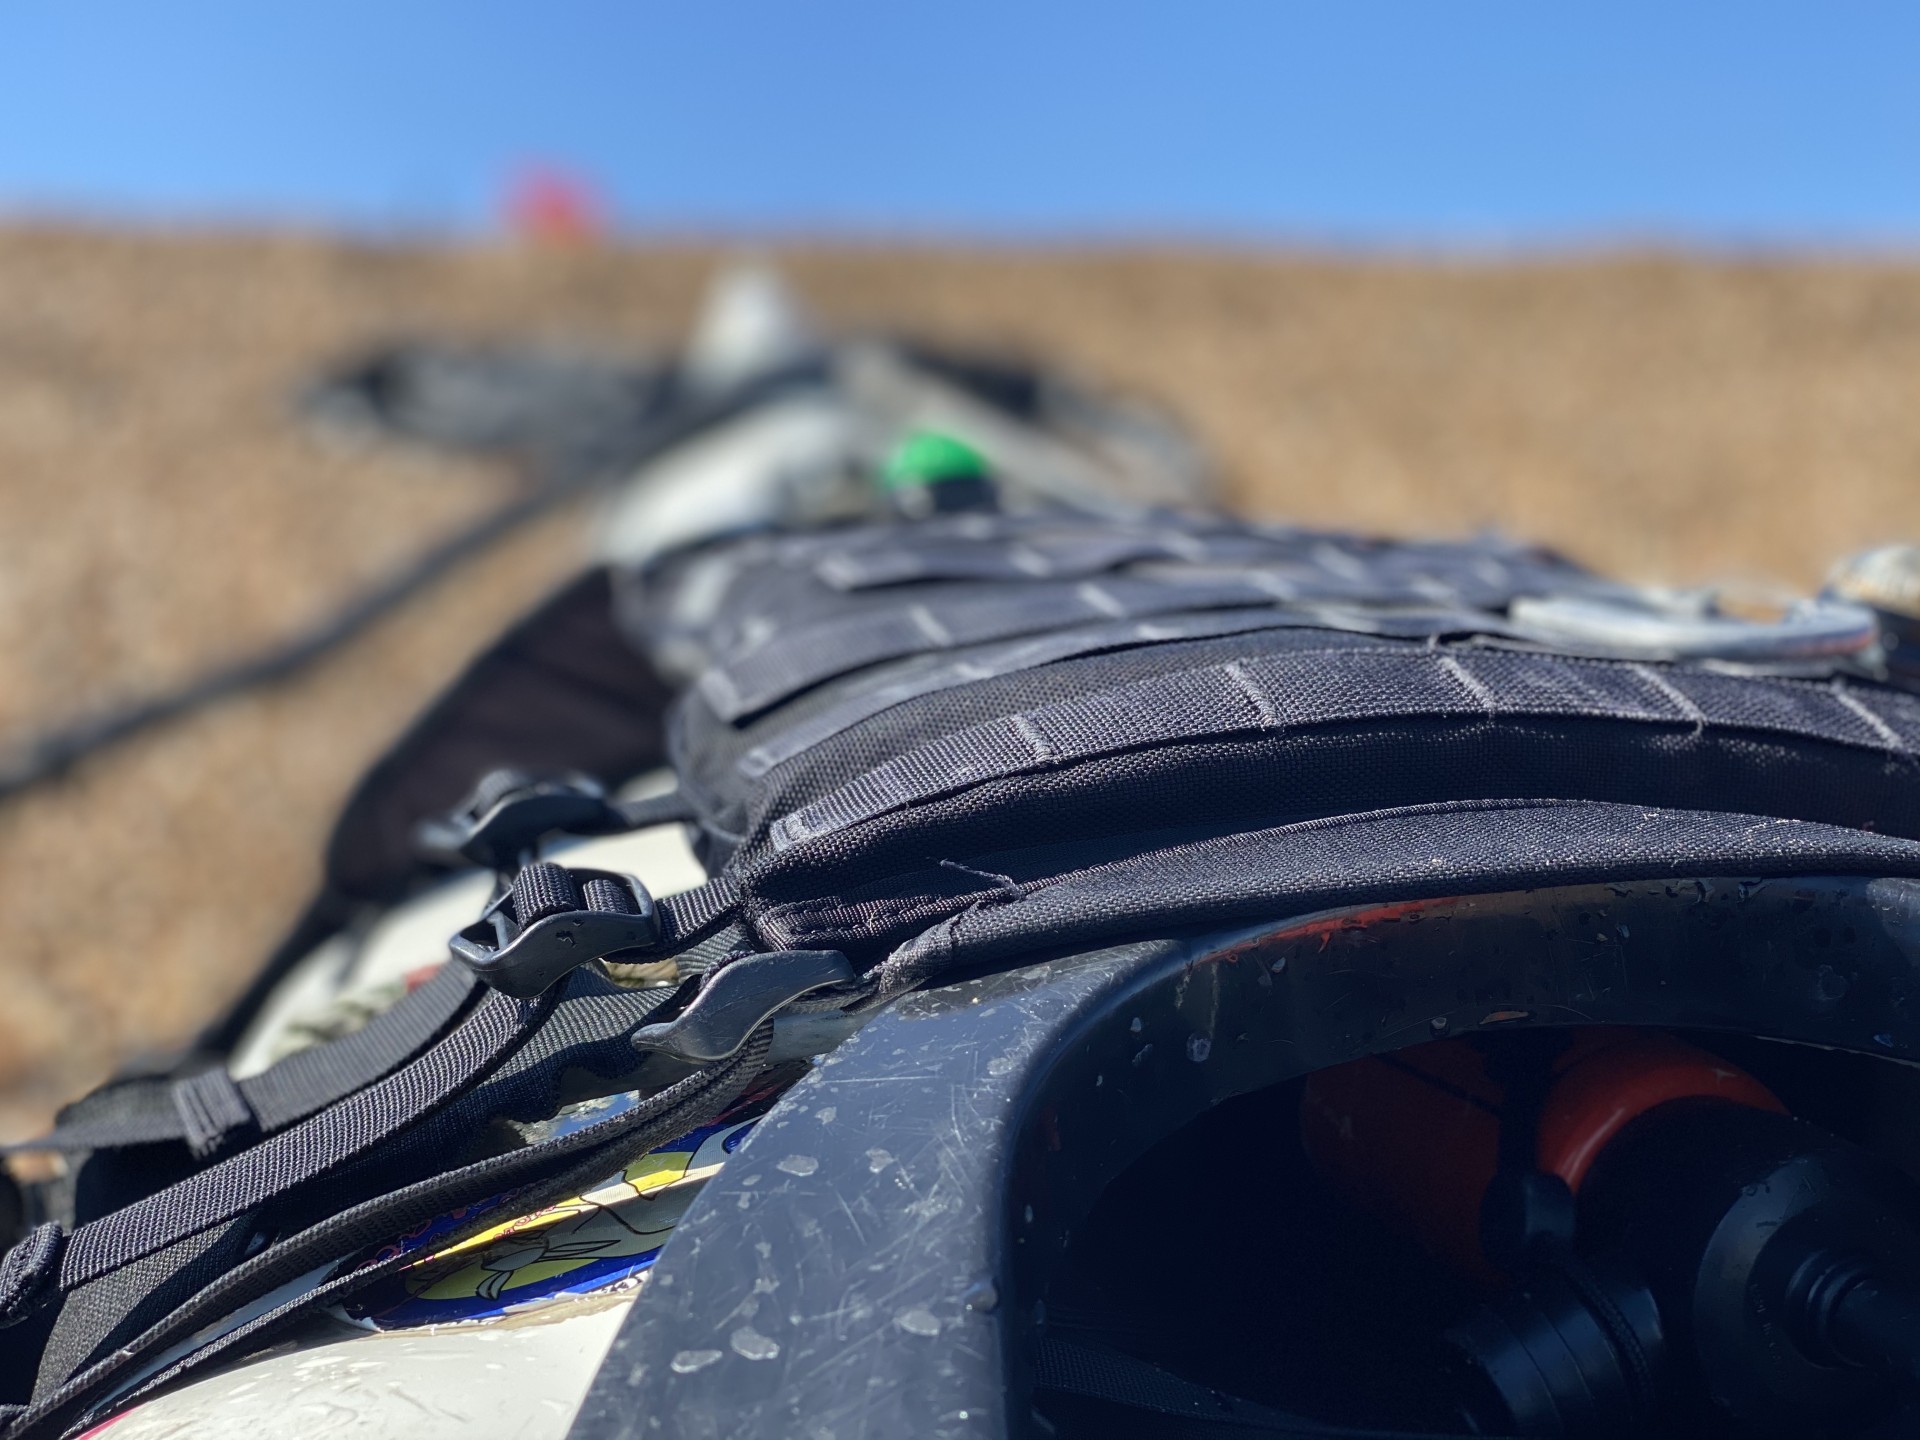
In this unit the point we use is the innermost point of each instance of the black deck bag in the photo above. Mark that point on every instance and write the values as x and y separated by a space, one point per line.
926 749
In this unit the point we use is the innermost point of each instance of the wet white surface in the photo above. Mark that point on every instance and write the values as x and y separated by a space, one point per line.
517 1379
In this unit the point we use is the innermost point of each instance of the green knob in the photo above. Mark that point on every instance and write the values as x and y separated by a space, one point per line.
929 457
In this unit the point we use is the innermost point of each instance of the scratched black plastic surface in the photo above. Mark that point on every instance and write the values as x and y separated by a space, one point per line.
868 1265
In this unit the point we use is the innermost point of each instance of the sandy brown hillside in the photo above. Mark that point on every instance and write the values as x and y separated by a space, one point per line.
1658 416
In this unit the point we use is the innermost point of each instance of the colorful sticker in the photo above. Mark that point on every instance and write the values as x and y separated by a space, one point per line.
596 1240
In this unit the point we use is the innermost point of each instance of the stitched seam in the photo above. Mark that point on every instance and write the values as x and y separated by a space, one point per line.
1691 711
1880 727
1043 748
1470 683
1100 600
924 621
1256 694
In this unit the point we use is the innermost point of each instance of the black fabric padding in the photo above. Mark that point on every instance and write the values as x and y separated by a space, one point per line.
892 765
110 1309
1260 780
1411 853
562 690
1307 691
706 750
790 661
862 701
883 772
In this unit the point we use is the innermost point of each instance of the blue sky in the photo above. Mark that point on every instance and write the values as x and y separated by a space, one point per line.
1444 123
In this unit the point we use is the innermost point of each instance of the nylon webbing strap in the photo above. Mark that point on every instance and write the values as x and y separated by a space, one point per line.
584 1032
322 1143
784 641
864 702
210 1107
1071 555
1306 689
690 914
525 1178
787 663
1474 573
207 1110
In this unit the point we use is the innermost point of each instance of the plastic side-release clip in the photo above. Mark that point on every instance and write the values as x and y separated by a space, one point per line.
735 999
552 921
509 811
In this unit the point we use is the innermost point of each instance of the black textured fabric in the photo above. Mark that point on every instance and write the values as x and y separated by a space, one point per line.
861 701
1332 688
859 746
560 691
544 889
100 1315
525 1178
940 918
213 1108
28 1269
315 1147
952 744
607 896
125 1273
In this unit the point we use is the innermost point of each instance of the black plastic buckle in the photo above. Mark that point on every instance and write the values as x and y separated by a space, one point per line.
736 999
523 961
508 813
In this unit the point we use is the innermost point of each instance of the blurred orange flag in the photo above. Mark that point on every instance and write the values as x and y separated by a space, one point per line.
552 207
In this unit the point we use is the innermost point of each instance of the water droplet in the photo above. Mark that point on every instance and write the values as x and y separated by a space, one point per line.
1199 1047
1140 1058
826 1115
1000 1065
1027 1214
982 1296
1136 1027
918 1321
750 1344
878 1160
798 1165
688 1361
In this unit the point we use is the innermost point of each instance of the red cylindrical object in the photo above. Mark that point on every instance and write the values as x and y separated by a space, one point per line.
1413 1136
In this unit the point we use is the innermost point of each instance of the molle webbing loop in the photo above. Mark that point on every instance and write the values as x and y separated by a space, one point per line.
787 663
313 1148
863 699
211 1111
1325 688
525 1178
